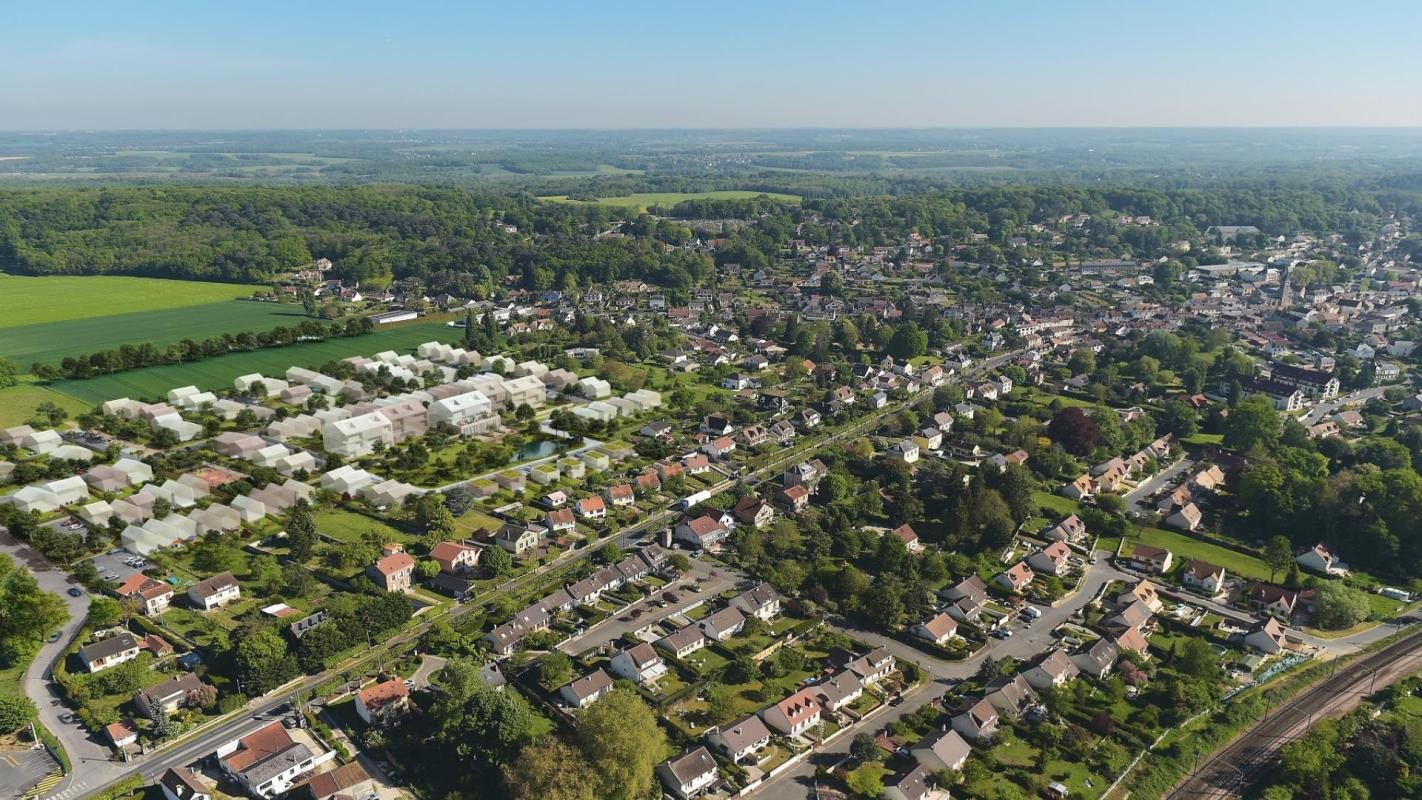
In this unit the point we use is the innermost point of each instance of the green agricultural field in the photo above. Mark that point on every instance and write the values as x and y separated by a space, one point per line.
642 200
49 342
18 403
217 373
31 300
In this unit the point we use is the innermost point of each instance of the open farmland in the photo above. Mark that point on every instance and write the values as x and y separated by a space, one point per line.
55 298
643 200
217 373
49 342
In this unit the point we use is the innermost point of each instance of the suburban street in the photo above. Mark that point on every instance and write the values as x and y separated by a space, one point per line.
796 783
709 579
1320 411
1141 495
84 750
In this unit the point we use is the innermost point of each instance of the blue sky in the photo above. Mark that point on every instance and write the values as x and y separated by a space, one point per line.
774 63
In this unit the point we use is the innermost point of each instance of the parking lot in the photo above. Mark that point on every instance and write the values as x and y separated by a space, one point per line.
113 564
22 769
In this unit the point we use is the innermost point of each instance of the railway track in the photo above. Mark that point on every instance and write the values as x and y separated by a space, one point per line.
1228 772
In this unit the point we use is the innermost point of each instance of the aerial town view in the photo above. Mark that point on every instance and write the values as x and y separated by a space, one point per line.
786 401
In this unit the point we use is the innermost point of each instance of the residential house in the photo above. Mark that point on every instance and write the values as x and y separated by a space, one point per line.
639 663
381 703
518 539
1016 577
1097 659
1054 559
346 782
683 642
1275 601
592 508
871 667
905 451
1321 559
1011 696
723 624
1081 488
153 596
978 723
171 694
214 592
1052 669
751 510
1204 576
621 495
109 652
1267 637
939 629
268 761
839 690
760 601
393 572
1154 560
180 783
586 690
941 750
740 739
794 498
1186 518
1069 530
455 558
906 534
689 775
704 532
795 714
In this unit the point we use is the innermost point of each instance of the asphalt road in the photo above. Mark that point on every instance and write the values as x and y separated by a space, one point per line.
1141 495
82 748
1317 413
711 580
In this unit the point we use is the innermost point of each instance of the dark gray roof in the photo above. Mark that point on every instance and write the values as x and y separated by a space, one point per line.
106 648
692 765
743 733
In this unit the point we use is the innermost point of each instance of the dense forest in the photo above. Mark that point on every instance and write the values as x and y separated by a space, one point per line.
379 233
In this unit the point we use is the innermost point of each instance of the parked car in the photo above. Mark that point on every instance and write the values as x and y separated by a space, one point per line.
74 591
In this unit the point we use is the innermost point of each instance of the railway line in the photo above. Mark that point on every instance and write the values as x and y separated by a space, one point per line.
1228 772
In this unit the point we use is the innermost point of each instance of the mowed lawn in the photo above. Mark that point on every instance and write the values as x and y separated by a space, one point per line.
18 403
49 342
1187 548
217 373
31 300
642 200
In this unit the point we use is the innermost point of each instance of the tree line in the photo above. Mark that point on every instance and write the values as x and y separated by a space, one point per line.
147 354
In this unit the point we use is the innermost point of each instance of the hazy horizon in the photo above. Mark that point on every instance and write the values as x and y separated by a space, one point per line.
539 65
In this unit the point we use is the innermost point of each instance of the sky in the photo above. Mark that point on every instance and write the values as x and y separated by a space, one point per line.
159 64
